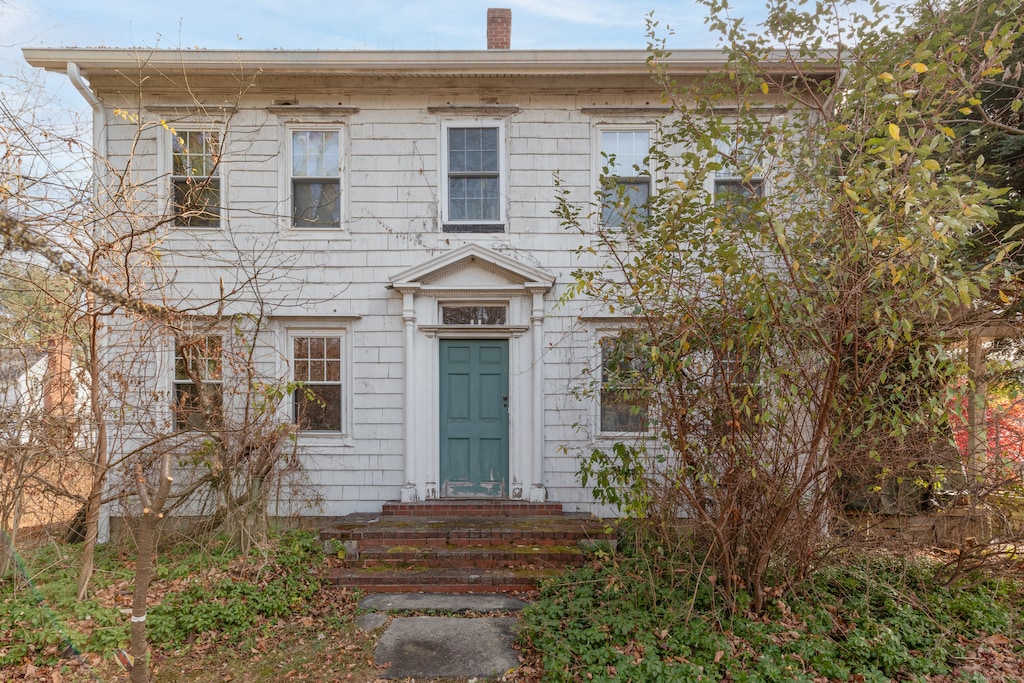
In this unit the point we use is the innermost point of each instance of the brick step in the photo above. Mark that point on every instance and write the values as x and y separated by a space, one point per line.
433 580
473 531
471 508
458 553
483 558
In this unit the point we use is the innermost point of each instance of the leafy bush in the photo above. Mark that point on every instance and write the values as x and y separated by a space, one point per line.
222 591
234 604
876 619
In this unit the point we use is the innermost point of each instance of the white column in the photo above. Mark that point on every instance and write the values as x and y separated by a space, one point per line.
538 493
409 494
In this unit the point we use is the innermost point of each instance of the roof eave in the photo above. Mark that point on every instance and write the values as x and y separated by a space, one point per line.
96 61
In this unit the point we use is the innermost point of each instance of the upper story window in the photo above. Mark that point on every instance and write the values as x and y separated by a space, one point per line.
198 383
317 365
473 160
316 178
740 179
625 175
195 178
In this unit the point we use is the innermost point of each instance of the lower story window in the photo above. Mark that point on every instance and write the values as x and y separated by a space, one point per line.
622 373
198 377
316 363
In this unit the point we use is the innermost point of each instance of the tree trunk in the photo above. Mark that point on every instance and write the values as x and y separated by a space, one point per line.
99 473
152 513
143 576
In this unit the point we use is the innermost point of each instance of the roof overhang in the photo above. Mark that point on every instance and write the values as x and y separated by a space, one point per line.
114 61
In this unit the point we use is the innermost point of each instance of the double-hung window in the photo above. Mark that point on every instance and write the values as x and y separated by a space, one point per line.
316 178
473 157
739 181
317 368
625 175
198 383
623 409
195 178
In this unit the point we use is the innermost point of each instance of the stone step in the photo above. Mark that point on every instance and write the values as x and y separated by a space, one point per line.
436 580
471 508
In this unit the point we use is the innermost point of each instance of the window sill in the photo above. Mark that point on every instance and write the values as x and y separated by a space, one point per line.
473 228
333 438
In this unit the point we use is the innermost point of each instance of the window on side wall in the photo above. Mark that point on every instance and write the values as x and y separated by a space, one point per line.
738 391
622 378
317 367
315 178
195 178
473 157
198 383
740 181
625 175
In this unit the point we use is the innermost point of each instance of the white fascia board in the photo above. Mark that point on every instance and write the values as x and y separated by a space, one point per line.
410 63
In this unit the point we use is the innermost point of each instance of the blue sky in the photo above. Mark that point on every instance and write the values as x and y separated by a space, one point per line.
347 24
338 24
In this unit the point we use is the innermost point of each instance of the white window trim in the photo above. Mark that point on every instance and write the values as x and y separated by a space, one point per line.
165 164
597 362
503 174
344 435
598 161
285 177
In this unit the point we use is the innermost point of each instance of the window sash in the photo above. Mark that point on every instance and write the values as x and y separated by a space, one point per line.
316 202
625 199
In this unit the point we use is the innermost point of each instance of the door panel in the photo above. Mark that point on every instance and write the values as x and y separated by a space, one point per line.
474 417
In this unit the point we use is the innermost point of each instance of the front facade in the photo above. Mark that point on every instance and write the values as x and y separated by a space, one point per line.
388 216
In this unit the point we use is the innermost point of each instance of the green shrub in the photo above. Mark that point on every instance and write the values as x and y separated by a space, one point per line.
876 619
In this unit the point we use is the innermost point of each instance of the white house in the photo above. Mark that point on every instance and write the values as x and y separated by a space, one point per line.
396 211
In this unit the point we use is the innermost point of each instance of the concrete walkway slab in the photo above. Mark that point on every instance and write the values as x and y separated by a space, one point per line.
455 603
447 647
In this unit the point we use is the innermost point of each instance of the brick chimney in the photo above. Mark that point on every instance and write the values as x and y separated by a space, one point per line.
499 28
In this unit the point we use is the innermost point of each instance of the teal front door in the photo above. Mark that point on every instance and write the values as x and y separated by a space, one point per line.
474 418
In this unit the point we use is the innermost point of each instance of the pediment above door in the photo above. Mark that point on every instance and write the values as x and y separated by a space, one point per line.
472 269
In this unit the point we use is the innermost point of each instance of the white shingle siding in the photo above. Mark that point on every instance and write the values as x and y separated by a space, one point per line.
337 278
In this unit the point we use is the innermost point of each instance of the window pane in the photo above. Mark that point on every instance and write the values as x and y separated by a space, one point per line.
625 198
626 151
318 407
195 153
198 407
196 202
473 150
333 347
473 315
316 347
316 204
316 153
